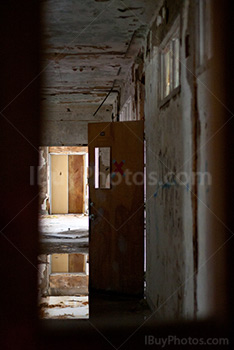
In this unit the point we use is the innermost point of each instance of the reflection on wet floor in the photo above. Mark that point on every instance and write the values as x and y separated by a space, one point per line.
63 267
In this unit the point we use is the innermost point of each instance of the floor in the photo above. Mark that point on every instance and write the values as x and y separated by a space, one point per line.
118 309
69 234
63 223
64 307
63 233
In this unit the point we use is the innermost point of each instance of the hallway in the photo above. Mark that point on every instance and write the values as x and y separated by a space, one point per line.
116 135
140 76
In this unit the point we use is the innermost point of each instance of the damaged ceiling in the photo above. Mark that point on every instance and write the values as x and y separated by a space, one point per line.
89 46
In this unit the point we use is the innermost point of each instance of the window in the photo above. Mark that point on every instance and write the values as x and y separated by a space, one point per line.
204 28
170 63
102 167
127 111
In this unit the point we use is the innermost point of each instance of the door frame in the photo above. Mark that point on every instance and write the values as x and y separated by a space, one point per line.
85 177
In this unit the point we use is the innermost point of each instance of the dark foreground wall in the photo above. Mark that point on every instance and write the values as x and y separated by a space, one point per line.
19 128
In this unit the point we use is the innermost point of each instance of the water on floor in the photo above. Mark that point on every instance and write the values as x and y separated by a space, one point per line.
63 223
64 307
67 236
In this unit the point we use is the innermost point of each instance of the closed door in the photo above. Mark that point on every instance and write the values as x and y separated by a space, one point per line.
67 184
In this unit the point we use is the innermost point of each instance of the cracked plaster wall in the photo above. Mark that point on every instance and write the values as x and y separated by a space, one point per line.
169 207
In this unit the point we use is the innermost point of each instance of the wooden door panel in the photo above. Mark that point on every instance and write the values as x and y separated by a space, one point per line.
76 263
59 188
116 233
76 183
59 263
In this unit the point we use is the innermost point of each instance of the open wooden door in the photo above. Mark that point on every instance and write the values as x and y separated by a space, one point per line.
116 185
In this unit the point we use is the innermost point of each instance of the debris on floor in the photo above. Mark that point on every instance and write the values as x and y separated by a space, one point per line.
64 307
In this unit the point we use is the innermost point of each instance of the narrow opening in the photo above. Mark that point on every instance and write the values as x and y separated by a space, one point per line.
145 218
96 167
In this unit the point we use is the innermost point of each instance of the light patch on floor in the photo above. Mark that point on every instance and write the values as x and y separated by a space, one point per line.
64 307
63 223
65 233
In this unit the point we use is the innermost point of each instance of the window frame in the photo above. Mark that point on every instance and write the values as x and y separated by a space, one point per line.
204 24
168 45
97 172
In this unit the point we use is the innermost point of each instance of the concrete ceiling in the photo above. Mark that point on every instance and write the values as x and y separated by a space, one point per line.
90 44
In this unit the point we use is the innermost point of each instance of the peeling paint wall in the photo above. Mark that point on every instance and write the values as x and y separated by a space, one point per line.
67 124
43 179
133 89
43 274
169 207
185 263
68 284
169 136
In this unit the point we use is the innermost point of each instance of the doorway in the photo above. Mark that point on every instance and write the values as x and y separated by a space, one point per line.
68 180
